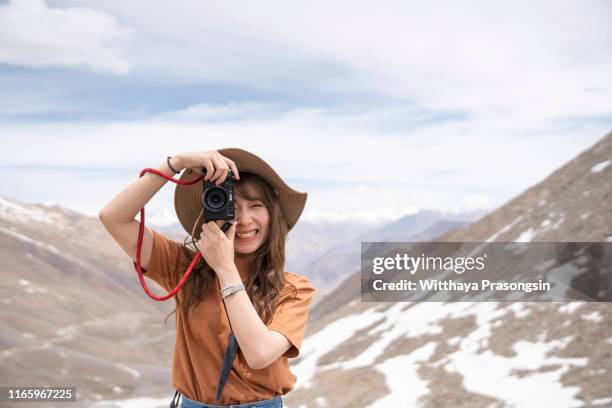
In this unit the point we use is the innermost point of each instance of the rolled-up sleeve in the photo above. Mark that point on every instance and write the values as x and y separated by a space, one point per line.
291 315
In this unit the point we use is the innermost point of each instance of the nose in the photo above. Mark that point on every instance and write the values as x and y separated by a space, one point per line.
241 216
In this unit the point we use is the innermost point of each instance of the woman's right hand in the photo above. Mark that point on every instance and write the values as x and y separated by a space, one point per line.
217 166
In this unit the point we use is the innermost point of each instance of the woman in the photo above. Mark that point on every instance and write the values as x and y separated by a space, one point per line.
266 320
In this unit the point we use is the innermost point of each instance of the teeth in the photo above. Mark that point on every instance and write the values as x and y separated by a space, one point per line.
247 235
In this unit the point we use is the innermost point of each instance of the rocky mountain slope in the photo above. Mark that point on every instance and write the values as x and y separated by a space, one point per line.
73 311
463 354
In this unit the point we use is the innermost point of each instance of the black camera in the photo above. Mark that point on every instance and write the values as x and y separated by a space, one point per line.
218 201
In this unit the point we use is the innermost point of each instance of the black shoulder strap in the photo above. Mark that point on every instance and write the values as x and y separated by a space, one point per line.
175 400
228 361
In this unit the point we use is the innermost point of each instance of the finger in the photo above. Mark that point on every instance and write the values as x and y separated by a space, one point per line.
203 233
224 166
232 166
231 232
222 176
220 166
210 169
213 229
207 229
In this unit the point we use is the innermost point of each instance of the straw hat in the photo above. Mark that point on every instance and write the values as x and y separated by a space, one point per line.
188 199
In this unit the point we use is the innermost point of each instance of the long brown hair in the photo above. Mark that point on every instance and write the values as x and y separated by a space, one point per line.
266 275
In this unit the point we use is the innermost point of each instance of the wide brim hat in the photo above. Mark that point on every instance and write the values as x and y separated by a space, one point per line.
188 198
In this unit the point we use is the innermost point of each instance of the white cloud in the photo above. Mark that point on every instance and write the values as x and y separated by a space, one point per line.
350 167
518 77
33 34
527 60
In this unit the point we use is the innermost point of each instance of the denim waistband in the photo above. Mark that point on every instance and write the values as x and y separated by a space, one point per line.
276 402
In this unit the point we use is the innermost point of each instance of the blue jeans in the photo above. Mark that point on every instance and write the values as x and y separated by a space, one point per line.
271 403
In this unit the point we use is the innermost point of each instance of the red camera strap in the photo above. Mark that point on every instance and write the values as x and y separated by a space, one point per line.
137 266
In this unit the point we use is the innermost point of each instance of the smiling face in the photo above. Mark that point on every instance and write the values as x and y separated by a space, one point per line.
252 220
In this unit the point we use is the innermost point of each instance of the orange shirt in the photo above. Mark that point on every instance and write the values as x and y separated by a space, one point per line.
199 349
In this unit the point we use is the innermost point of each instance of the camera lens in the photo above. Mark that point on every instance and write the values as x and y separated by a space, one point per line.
215 199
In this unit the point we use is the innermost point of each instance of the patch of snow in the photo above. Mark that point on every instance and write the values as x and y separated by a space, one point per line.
593 317
601 401
519 309
29 240
135 403
536 389
562 342
586 193
546 223
321 402
570 307
331 337
453 341
601 166
69 332
559 222
24 282
585 216
28 215
32 289
28 335
421 319
505 229
494 236
133 372
117 389
542 203
402 370
526 236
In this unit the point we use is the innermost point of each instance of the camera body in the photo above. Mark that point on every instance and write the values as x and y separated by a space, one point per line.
218 201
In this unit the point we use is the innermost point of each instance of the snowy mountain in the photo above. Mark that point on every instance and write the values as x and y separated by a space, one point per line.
488 354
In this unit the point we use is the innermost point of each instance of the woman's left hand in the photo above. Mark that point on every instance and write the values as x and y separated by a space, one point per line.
217 247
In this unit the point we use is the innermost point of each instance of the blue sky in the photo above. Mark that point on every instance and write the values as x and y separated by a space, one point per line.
437 105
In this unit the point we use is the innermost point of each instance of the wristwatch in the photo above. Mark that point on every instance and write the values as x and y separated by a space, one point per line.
231 289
